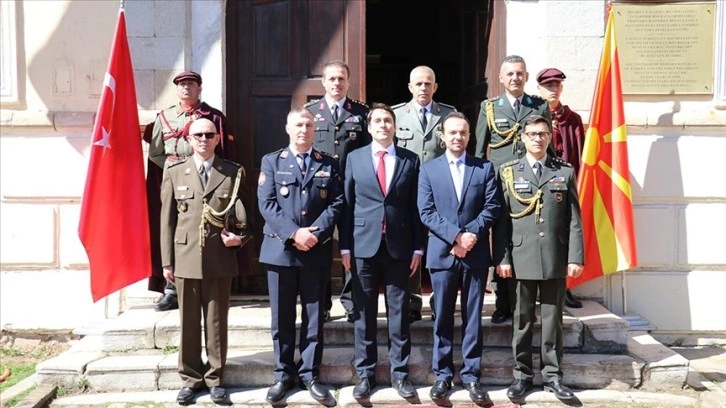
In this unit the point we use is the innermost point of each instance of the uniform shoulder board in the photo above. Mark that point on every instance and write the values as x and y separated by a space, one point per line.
311 103
562 162
447 105
232 162
276 152
400 105
359 103
324 153
536 98
176 163
509 163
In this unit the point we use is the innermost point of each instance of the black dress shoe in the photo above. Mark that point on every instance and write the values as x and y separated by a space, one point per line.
349 316
500 316
560 391
186 396
168 302
404 388
439 390
278 390
326 316
219 395
477 393
571 300
414 316
518 390
317 390
364 387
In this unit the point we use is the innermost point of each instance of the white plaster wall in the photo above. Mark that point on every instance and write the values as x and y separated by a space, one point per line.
679 195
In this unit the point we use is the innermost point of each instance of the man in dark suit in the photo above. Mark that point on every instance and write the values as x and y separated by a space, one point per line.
381 242
538 243
458 203
498 137
340 128
201 259
300 198
418 129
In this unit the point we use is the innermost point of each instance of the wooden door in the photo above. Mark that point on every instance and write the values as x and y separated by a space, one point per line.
275 52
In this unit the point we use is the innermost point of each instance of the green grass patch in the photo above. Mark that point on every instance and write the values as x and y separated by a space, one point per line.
17 373
169 349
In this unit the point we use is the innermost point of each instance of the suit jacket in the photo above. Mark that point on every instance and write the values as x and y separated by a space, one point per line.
426 143
540 249
182 198
445 216
505 118
339 138
366 206
288 201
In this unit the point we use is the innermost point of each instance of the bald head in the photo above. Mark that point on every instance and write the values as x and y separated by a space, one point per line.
422 84
203 137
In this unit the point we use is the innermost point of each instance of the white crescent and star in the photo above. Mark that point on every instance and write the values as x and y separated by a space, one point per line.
110 83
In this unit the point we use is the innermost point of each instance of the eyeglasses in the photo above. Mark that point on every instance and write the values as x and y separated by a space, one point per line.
208 135
535 135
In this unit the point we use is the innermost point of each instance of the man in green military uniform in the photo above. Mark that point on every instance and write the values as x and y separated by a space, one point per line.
418 129
340 127
538 242
170 144
498 137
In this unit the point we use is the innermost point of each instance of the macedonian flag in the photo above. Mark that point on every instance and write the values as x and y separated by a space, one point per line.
603 184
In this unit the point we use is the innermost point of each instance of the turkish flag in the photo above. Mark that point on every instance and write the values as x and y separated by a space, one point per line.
114 224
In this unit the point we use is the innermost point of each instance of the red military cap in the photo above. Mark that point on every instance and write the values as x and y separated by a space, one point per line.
550 75
188 75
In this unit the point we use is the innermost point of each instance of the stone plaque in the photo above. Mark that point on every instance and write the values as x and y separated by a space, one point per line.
665 48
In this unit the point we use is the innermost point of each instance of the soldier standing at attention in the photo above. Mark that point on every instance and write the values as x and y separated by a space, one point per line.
301 198
340 128
537 245
170 144
199 254
419 129
568 134
498 137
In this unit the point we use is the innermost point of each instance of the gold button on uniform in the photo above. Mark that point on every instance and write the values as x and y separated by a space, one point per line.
541 234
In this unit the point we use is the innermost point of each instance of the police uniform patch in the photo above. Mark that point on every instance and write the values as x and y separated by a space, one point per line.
261 179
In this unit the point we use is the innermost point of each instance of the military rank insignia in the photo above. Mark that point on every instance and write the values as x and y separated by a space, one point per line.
317 156
284 154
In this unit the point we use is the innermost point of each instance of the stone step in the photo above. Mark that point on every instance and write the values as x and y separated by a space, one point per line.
590 329
253 368
381 397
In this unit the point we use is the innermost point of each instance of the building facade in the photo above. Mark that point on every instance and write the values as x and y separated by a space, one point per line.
258 58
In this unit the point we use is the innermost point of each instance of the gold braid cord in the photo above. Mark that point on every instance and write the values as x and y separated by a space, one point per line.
216 218
510 135
533 203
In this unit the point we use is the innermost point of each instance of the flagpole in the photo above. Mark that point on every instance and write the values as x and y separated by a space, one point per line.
121 4
625 298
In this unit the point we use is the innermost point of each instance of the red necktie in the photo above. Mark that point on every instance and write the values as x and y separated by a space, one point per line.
381 174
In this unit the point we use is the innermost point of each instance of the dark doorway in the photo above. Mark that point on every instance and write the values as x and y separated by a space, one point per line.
451 37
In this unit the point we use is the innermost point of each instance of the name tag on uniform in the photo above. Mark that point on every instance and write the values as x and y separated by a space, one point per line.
504 120
183 188
522 185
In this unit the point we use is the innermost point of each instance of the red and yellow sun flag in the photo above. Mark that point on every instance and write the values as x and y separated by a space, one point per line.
606 198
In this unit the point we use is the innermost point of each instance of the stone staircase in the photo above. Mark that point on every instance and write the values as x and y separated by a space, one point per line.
137 352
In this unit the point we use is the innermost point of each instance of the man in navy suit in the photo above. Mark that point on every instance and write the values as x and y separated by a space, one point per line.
301 198
381 242
458 203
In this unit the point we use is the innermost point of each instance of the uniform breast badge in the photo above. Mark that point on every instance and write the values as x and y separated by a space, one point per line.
324 193
284 191
182 206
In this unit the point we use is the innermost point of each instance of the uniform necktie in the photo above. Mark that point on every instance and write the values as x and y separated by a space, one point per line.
381 174
537 171
424 121
203 175
516 106
335 113
303 163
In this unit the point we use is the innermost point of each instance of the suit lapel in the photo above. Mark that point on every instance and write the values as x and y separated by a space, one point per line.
315 164
344 113
216 177
525 109
397 169
435 117
547 172
505 108
468 170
